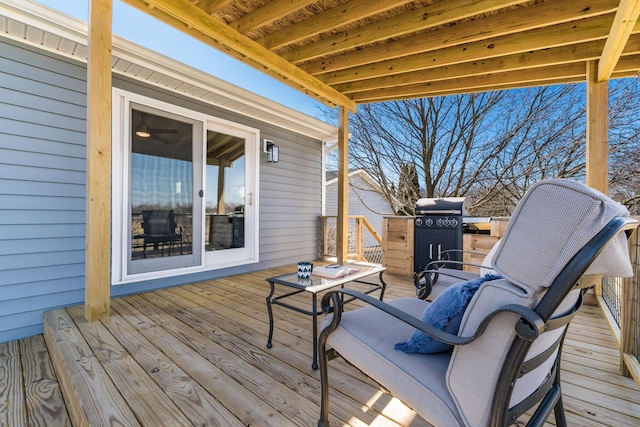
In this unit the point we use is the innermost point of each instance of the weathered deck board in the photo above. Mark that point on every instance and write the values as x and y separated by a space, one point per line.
12 400
91 397
155 408
196 355
45 405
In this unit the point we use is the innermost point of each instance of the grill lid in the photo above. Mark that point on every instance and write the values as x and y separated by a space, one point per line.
442 206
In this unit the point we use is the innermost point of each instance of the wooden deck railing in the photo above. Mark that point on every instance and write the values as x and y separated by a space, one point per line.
364 242
619 300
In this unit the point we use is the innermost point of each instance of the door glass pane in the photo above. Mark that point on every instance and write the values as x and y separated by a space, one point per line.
224 195
161 188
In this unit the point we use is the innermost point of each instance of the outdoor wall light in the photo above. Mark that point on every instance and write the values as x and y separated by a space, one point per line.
272 150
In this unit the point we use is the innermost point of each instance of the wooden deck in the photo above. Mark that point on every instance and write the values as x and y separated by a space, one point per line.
196 355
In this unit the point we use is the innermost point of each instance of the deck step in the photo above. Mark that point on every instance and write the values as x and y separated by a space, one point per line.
91 397
30 394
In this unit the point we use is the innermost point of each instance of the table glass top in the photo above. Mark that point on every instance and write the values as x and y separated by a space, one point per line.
317 283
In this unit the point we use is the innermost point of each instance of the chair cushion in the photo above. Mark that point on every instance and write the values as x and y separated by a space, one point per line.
474 368
366 337
547 238
445 313
448 277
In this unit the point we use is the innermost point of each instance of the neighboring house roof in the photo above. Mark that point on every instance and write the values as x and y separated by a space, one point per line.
332 178
52 31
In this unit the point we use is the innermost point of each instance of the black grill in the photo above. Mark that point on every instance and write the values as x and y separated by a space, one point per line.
438 228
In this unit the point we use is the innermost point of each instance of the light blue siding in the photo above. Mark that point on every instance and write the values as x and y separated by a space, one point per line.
42 189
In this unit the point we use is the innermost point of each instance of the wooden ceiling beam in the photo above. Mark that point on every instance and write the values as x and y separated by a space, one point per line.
518 20
542 38
267 14
421 19
211 6
523 78
628 65
510 86
343 14
188 18
520 61
623 23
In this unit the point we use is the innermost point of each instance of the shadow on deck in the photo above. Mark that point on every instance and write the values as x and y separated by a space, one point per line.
196 355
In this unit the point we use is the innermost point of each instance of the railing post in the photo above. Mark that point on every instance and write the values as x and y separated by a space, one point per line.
324 237
627 339
359 238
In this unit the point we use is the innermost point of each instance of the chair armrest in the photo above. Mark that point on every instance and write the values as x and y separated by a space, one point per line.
434 265
529 328
459 251
431 276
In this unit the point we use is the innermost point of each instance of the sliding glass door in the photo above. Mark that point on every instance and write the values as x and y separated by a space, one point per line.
229 205
184 190
162 200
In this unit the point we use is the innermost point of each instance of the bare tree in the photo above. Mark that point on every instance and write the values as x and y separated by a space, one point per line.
624 138
489 146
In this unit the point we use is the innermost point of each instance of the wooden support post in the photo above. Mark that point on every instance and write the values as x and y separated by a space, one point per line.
98 244
222 210
342 223
597 130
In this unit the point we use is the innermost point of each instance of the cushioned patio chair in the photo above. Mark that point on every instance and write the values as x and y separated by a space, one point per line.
159 229
503 358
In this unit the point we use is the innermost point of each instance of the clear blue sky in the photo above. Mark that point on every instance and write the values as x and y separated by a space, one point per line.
140 28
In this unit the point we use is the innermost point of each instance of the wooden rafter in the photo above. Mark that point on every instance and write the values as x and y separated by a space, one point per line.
626 18
543 15
499 73
539 39
523 78
328 20
422 19
211 6
267 14
188 18
515 62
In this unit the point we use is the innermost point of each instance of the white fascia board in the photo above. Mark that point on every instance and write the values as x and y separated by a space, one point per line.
268 110
35 15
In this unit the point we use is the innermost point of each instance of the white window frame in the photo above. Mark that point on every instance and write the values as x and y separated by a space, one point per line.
120 184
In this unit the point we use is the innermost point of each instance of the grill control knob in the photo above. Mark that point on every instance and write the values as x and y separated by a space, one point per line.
418 222
429 222
440 222
454 222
